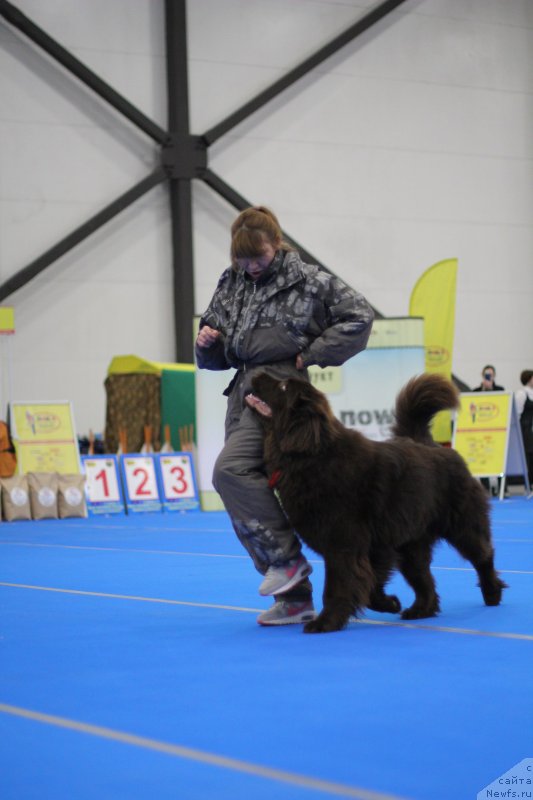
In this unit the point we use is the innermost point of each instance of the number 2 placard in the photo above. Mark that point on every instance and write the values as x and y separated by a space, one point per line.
179 492
140 482
102 484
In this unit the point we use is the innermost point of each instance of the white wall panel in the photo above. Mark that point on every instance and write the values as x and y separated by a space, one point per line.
122 41
412 145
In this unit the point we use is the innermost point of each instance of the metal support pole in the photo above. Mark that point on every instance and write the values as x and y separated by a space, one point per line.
180 179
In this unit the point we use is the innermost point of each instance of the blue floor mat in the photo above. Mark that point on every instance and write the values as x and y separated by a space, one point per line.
144 626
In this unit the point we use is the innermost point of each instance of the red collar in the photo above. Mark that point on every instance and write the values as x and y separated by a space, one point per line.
274 478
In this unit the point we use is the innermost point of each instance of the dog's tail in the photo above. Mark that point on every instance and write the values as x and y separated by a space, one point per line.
417 404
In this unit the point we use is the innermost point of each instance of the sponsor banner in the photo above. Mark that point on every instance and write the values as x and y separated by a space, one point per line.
481 428
45 438
488 436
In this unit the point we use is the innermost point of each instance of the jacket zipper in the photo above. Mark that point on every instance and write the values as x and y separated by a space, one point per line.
244 325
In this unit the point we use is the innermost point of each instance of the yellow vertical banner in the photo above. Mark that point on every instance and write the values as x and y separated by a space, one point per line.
433 298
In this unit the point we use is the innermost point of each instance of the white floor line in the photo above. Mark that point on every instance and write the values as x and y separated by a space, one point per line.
165 601
206 555
201 756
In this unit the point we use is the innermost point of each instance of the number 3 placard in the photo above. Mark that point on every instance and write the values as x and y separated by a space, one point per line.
179 492
140 482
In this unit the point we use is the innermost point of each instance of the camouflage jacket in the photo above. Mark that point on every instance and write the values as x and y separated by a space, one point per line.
293 308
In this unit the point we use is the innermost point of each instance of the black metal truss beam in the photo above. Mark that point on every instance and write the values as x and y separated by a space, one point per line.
329 49
19 20
183 156
21 278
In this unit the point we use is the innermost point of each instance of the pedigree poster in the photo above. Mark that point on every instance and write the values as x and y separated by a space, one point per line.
45 438
481 431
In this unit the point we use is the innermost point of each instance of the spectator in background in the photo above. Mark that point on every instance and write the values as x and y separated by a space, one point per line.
524 407
488 380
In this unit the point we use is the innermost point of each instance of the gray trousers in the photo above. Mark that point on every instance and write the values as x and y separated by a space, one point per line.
258 520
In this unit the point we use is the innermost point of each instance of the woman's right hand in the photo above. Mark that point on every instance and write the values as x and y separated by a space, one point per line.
207 336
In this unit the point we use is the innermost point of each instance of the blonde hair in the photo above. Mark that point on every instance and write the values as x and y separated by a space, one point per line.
253 228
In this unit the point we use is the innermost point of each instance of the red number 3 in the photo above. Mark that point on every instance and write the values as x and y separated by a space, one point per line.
181 487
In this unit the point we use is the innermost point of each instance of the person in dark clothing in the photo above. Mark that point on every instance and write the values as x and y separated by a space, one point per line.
271 312
524 407
488 380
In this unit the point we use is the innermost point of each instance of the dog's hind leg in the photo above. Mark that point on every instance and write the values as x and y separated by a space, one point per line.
414 563
475 545
349 582
383 564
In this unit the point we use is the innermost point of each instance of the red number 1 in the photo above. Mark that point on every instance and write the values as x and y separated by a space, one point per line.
102 475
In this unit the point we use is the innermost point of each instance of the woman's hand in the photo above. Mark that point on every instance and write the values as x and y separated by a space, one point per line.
207 336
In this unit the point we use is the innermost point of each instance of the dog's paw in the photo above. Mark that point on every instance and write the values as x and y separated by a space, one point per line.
492 594
322 625
419 613
387 603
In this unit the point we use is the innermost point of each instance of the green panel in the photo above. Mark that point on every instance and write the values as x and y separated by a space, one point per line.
178 404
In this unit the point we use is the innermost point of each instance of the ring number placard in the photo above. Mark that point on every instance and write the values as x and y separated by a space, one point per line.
179 491
102 484
140 482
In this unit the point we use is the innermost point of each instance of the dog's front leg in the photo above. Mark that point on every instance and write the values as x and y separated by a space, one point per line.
349 581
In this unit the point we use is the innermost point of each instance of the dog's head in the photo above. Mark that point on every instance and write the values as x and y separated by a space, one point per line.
298 414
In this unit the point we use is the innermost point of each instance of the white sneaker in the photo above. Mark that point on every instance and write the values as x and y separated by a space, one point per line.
280 579
288 612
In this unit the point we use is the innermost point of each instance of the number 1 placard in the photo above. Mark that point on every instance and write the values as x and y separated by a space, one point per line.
140 482
102 485
178 485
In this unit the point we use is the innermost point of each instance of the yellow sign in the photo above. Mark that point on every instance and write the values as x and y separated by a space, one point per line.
482 431
7 320
44 437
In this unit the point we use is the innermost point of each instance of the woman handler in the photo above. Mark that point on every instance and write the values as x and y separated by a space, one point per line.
271 312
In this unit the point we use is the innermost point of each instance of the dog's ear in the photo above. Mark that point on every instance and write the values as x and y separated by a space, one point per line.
300 425
302 434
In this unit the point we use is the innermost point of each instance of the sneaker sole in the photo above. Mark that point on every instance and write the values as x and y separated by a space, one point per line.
298 576
296 620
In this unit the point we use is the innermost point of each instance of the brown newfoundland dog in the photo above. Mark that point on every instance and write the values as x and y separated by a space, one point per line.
372 507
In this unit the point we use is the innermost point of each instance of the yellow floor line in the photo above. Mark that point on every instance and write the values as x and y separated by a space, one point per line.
236 765
165 601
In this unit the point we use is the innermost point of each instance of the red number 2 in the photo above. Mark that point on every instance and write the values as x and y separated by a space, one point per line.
140 489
